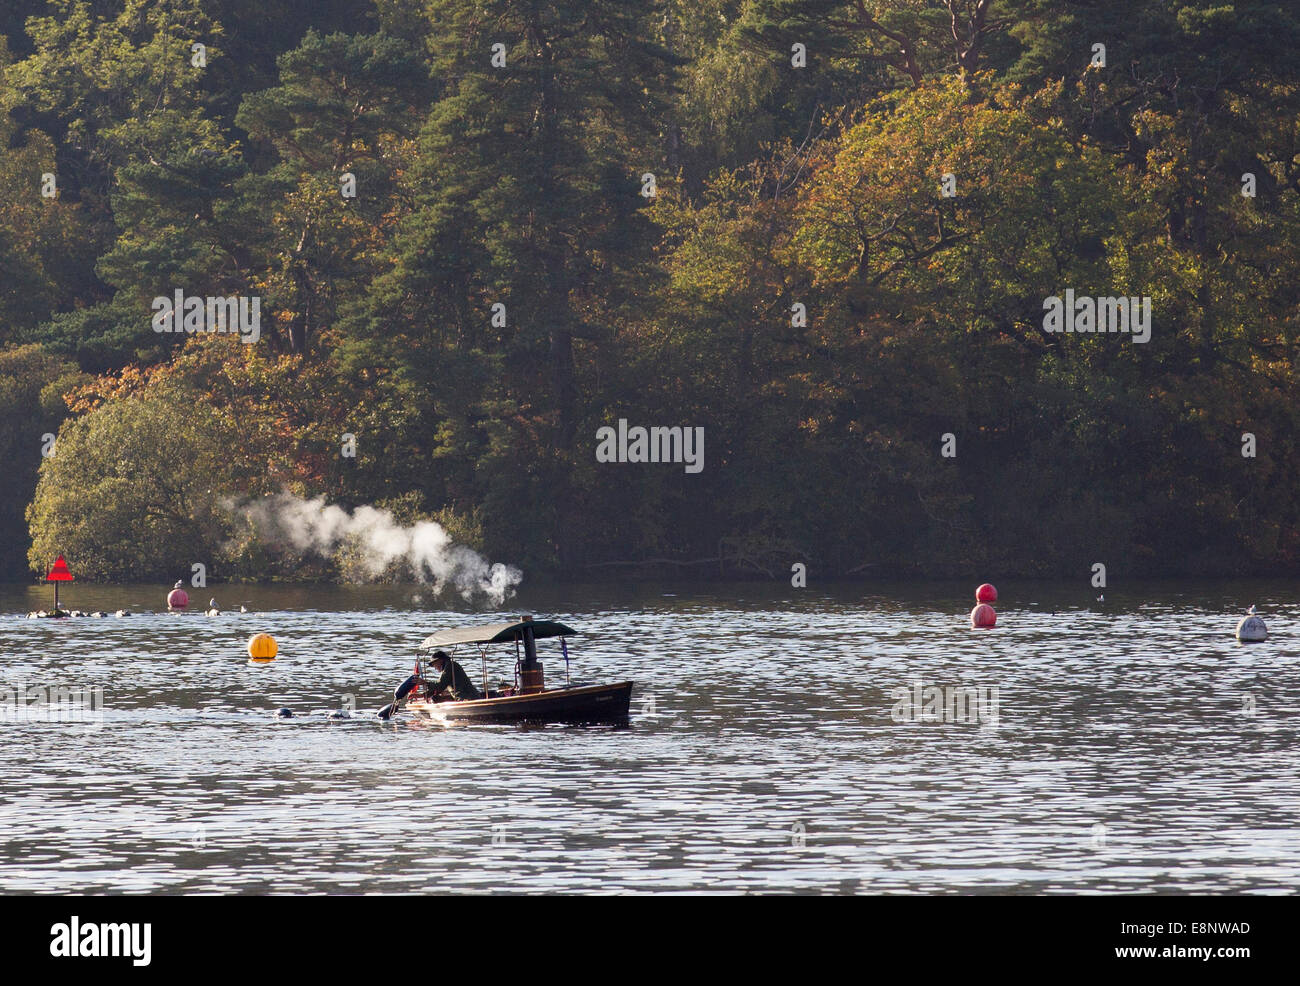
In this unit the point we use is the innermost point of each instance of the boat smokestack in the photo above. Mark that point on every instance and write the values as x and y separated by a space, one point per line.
531 678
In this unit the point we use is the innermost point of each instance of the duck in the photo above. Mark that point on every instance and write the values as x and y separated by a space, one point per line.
212 611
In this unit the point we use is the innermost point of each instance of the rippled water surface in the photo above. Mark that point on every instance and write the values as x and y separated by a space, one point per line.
1137 747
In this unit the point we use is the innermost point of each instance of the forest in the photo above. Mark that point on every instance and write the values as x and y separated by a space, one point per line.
442 257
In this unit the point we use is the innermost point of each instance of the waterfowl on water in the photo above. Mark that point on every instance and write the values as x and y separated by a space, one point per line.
213 611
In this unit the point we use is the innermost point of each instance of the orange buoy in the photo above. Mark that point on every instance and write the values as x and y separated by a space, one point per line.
262 648
983 616
986 594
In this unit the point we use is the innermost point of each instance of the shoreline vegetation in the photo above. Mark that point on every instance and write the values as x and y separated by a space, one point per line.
823 238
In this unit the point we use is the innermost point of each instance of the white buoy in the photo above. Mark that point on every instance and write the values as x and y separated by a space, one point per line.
1251 629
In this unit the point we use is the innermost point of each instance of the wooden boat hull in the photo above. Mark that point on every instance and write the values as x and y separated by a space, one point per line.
584 704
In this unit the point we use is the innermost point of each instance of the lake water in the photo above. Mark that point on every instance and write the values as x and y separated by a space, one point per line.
1131 745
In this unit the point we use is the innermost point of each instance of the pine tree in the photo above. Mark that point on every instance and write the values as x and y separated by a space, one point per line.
527 194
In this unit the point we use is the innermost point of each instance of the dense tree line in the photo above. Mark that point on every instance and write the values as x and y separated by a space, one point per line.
822 230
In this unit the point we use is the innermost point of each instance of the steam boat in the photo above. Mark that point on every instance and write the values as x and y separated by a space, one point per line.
528 699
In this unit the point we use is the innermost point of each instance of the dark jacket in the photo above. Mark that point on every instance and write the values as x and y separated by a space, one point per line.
455 682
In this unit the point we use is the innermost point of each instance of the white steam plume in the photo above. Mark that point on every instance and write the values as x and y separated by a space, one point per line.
379 541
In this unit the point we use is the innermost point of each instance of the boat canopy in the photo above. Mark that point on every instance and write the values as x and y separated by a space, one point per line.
495 633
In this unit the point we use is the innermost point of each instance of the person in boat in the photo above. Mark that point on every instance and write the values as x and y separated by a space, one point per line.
453 682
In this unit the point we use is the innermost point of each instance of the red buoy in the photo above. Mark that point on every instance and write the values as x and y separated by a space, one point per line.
982 617
59 573
178 599
986 594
